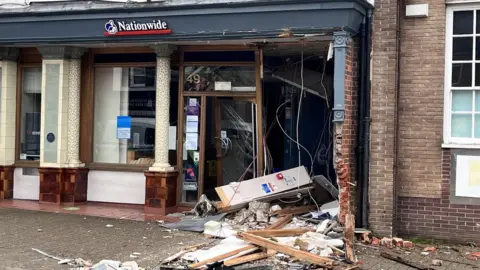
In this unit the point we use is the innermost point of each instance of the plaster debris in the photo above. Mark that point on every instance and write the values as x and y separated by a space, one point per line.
109 226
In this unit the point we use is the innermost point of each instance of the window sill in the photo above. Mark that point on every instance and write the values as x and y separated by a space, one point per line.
460 146
118 167
27 164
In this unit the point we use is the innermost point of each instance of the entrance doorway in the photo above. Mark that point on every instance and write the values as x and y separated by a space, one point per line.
218 130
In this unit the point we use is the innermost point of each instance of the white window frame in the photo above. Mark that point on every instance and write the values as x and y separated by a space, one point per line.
448 140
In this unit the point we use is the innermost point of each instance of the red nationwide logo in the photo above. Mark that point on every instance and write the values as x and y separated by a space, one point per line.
121 28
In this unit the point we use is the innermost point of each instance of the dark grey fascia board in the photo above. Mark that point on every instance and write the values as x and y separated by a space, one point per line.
238 36
129 10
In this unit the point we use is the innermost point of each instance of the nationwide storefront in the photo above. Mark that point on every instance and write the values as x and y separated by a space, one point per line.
158 103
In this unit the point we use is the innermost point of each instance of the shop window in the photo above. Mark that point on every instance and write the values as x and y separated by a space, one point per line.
462 89
124 116
30 120
220 78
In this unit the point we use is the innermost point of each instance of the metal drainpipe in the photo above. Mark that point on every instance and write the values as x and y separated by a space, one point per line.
397 120
361 135
366 122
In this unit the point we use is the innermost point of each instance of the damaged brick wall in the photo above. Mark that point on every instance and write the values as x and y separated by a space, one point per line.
438 217
346 133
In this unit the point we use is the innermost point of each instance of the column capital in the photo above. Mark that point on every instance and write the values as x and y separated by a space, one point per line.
163 50
77 52
61 52
9 54
341 39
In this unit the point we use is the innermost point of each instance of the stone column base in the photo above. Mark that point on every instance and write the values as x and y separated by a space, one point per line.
161 192
51 185
6 182
75 182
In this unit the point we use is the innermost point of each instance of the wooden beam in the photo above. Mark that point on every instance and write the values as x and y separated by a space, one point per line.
247 258
280 232
281 222
223 256
295 210
299 254
349 237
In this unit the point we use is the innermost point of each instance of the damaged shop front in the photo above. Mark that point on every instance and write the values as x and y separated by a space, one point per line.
157 104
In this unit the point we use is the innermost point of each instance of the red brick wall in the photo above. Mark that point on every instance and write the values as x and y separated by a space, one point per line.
349 133
439 218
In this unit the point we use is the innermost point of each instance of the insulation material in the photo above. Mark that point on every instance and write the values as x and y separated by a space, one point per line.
258 188
227 245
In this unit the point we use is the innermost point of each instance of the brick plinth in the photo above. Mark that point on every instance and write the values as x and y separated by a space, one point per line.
161 192
75 183
439 218
51 185
6 182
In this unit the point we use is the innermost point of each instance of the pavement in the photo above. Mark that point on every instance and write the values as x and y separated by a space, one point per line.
76 236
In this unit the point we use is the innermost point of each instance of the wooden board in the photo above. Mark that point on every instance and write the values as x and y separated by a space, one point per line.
246 259
223 256
258 188
281 222
299 254
280 232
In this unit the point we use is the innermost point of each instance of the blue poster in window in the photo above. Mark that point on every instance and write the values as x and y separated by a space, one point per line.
124 126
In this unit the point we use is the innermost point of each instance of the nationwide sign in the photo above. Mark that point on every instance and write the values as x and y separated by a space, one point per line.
132 28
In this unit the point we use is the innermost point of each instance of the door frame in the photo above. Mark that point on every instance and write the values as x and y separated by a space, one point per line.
254 97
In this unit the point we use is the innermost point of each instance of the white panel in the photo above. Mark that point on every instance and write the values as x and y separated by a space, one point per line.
468 177
25 187
419 10
116 187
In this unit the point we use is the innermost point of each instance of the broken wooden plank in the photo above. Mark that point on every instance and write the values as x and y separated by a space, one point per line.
281 222
183 252
280 232
299 254
401 260
349 237
295 210
223 256
246 259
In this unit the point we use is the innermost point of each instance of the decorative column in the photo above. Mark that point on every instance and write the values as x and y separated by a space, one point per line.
162 108
75 178
8 103
73 125
161 178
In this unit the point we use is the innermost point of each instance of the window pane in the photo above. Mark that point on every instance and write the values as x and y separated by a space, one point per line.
477 101
462 125
476 132
461 75
205 78
478 21
191 149
127 92
462 101
30 113
462 48
462 22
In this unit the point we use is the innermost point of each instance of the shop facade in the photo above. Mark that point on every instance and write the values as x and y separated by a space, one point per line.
156 104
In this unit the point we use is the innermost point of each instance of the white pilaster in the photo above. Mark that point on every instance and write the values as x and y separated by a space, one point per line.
162 113
8 102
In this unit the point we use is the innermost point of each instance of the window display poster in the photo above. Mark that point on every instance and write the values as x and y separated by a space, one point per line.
124 127
192 127
191 141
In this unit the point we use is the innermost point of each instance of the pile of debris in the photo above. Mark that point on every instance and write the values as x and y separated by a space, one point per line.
273 219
